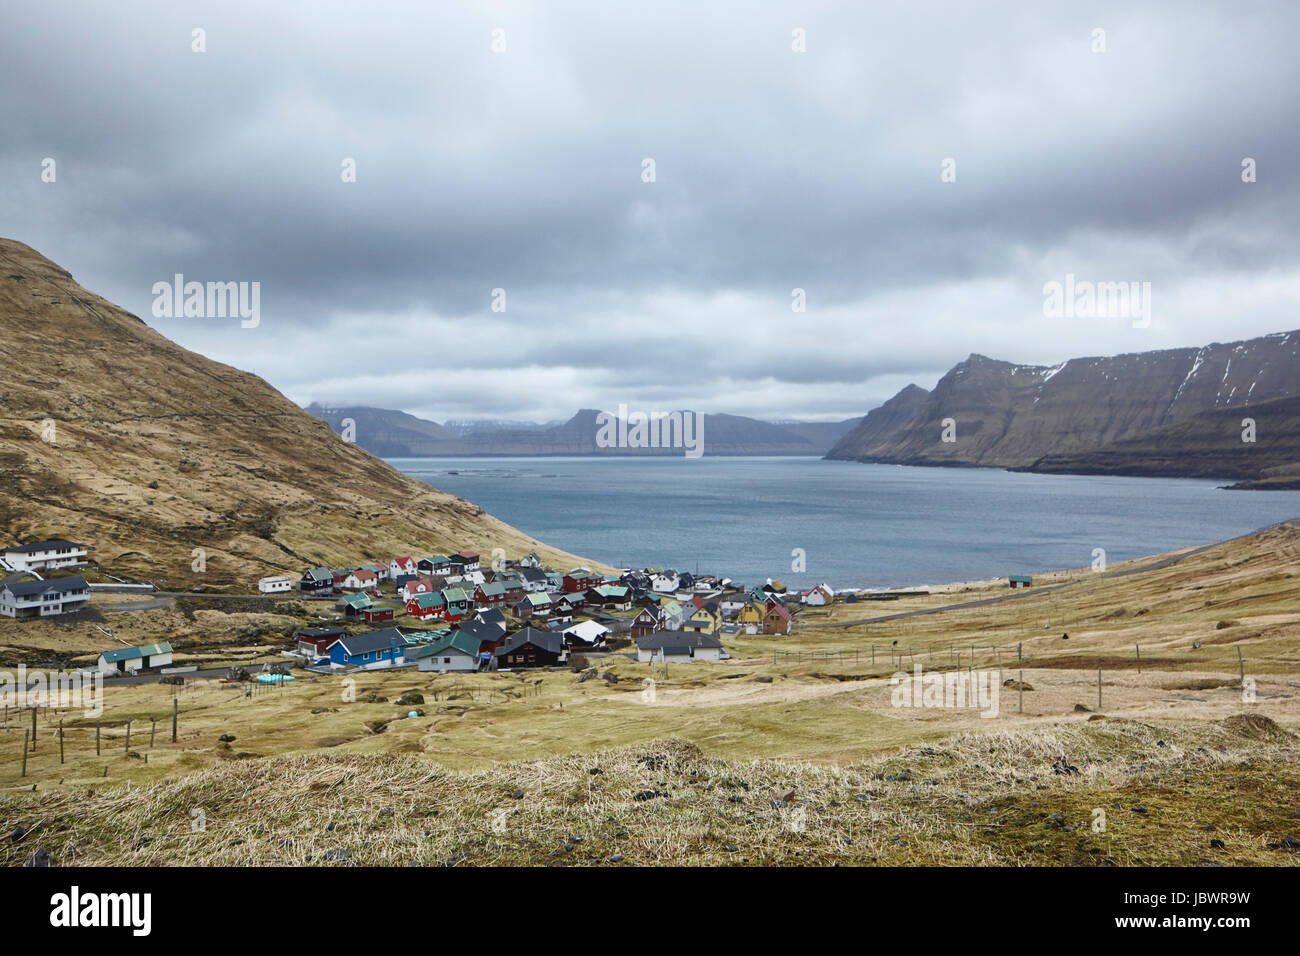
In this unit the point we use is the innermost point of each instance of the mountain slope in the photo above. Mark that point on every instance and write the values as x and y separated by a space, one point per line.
1041 418
158 451
396 434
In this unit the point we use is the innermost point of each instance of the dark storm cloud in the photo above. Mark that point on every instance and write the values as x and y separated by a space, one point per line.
774 170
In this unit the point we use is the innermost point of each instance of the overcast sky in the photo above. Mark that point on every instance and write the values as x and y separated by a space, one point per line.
774 170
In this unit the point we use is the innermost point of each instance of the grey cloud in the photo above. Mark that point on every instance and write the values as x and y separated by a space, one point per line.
774 171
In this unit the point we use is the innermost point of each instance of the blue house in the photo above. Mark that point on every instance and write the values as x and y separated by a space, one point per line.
386 648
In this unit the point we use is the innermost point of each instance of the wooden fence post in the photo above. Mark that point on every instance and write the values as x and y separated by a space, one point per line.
1099 688
96 740
60 740
127 748
1138 649
1241 665
153 729
173 720
1022 690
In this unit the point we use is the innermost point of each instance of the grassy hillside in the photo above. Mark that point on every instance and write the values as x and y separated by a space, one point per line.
157 451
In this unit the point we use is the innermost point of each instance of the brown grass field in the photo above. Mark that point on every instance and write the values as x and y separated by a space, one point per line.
791 752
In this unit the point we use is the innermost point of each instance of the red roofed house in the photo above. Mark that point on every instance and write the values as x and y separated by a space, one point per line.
776 620
360 580
400 566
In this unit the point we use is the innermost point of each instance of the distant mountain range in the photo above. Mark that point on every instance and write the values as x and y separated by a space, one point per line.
395 434
1175 412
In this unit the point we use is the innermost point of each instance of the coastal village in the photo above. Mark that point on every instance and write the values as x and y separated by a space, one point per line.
452 612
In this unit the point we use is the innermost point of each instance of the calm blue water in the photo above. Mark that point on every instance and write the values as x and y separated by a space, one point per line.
859 525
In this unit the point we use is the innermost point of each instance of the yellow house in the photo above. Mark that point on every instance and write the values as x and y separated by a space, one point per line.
752 614
701 621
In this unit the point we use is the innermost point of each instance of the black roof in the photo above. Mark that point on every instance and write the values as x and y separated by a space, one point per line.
28 588
493 616
42 546
546 640
372 641
673 640
480 630
310 632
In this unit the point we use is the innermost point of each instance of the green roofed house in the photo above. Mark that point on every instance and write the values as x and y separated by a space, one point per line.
1019 580
316 579
129 660
354 604
534 604
457 652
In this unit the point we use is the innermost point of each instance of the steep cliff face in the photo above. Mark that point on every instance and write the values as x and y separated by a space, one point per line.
1063 418
113 435
882 426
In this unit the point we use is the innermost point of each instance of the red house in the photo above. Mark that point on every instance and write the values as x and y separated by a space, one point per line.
493 592
645 623
425 606
316 641
579 580
376 615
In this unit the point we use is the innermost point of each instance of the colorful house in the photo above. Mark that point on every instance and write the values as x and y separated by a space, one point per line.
579 580
354 604
534 604
459 604
701 621
425 606
378 613
490 593
371 650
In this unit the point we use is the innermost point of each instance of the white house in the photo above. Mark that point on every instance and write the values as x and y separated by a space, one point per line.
665 582
128 660
731 605
589 633
819 596
401 566
19 598
458 652
361 579
534 579
680 647
275 584
44 555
